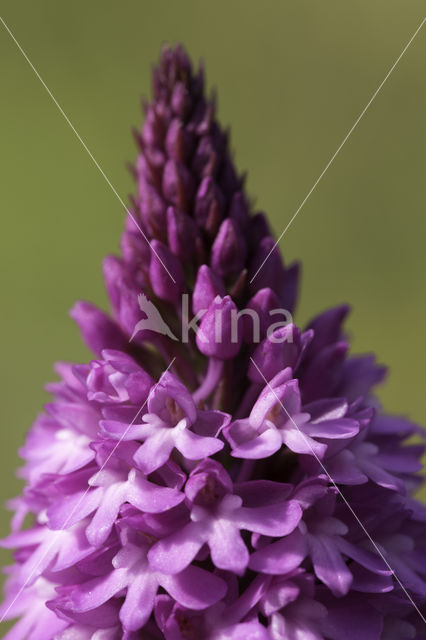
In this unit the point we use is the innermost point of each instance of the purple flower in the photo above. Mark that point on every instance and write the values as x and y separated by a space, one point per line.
215 337
193 587
277 418
237 484
289 605
218 623
172 422
217 516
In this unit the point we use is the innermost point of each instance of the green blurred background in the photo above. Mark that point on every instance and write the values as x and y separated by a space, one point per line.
292 78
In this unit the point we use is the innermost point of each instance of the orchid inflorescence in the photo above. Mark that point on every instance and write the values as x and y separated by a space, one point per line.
232 489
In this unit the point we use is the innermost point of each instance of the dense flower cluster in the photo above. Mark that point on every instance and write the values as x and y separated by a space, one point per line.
194 490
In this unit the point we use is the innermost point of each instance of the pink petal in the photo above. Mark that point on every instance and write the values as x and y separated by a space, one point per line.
195 447
155 451
103 520
194 588
271 520
259 493
227 548
260 446
150 497
329 565
343 468
210 423
73 549
299 442
326 409
78 417
170 387
176 552
280 557
381 477
287 396
368 582
342 428
139 601
369 559
71 509
246 631
93 593
123 431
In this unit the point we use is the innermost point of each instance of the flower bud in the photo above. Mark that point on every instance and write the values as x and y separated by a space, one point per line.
258 229
219 335
229 249
177 141
207 286
98 330
180 101
327 328
322 374
153 129
277 352
239 211
135 251
290 285
178 185
165 272
181 234
256 324
209 206
152 208
113 272
205 160
266 268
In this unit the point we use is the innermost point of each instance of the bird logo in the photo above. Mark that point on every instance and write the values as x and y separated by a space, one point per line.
153 320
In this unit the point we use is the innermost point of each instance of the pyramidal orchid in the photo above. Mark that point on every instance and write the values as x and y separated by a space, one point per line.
215 472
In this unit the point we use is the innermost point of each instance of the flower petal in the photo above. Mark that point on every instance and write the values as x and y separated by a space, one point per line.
93 593
194 588
280 557
103 520
248 443
299 442
175 552
195 447
227 548
341 428
139 601
155 451
150 497
329 565
271 520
